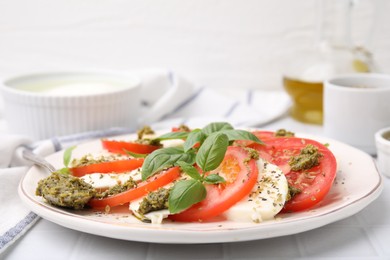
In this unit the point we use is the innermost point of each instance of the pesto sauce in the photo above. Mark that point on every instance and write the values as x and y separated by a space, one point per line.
184 128
252 154
129 184
90 159
284 133
307 159
146 130
156 200
64 190
148 141
292 191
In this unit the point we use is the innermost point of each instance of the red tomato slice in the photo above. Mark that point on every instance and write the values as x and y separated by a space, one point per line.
241 177
153 183
264 135
314 183
121 147
108 167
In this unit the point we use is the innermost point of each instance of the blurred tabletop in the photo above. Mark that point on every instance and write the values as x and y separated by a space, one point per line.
365 235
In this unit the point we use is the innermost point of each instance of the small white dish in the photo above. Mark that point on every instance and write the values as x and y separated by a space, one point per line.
382 139
357 184
355 107
47 104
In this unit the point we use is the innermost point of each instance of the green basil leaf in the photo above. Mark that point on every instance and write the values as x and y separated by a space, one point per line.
189 170
241 135
214 179
68 155
184 194
163 158
64 170
136 155
212 151
172 135
216 127
195 136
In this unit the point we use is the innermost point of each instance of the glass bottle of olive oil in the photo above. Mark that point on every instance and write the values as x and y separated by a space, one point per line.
307 99
333 53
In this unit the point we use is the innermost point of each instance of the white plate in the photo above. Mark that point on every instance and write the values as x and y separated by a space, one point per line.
357 184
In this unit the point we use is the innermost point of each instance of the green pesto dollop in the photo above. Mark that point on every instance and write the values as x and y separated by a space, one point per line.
284 133
129 184
252 154
148 141
146 130
65 190
156 200
89 159
292 191
184 128
307 159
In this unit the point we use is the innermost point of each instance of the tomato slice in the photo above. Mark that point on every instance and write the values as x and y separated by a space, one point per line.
118 166
153 183
313 183
241 178
121 147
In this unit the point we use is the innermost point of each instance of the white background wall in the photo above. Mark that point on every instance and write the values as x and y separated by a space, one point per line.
240 43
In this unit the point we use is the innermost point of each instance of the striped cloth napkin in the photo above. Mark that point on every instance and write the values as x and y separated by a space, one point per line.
242 108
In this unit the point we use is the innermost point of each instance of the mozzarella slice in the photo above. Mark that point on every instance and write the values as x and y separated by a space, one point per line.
166 143
155 217
265 200
107 180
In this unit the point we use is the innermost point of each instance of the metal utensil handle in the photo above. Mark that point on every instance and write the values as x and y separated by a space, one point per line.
29 155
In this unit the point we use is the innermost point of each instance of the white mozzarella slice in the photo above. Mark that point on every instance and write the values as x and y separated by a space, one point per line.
106 180
265 200
172 143
166 143
155 217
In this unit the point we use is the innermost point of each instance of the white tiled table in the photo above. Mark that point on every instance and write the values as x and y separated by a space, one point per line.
365 235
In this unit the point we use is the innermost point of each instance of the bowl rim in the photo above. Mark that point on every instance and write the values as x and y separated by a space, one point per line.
380 138
7 87
334 82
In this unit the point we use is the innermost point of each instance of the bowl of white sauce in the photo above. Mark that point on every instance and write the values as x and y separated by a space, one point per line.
43 105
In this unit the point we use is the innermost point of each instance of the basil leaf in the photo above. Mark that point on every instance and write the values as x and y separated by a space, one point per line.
184 194
189 170
241 135
214 179
136 155
216 127
64 170
163 158
68 155
212 151
196 136
172 135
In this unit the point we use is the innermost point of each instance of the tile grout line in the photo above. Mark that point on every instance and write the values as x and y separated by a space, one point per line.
301 248
371 238
225 251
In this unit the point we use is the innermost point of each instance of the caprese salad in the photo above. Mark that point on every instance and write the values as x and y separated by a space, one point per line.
186 175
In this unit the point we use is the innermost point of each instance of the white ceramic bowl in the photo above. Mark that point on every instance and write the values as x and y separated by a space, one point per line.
356 106
35 106
382 140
